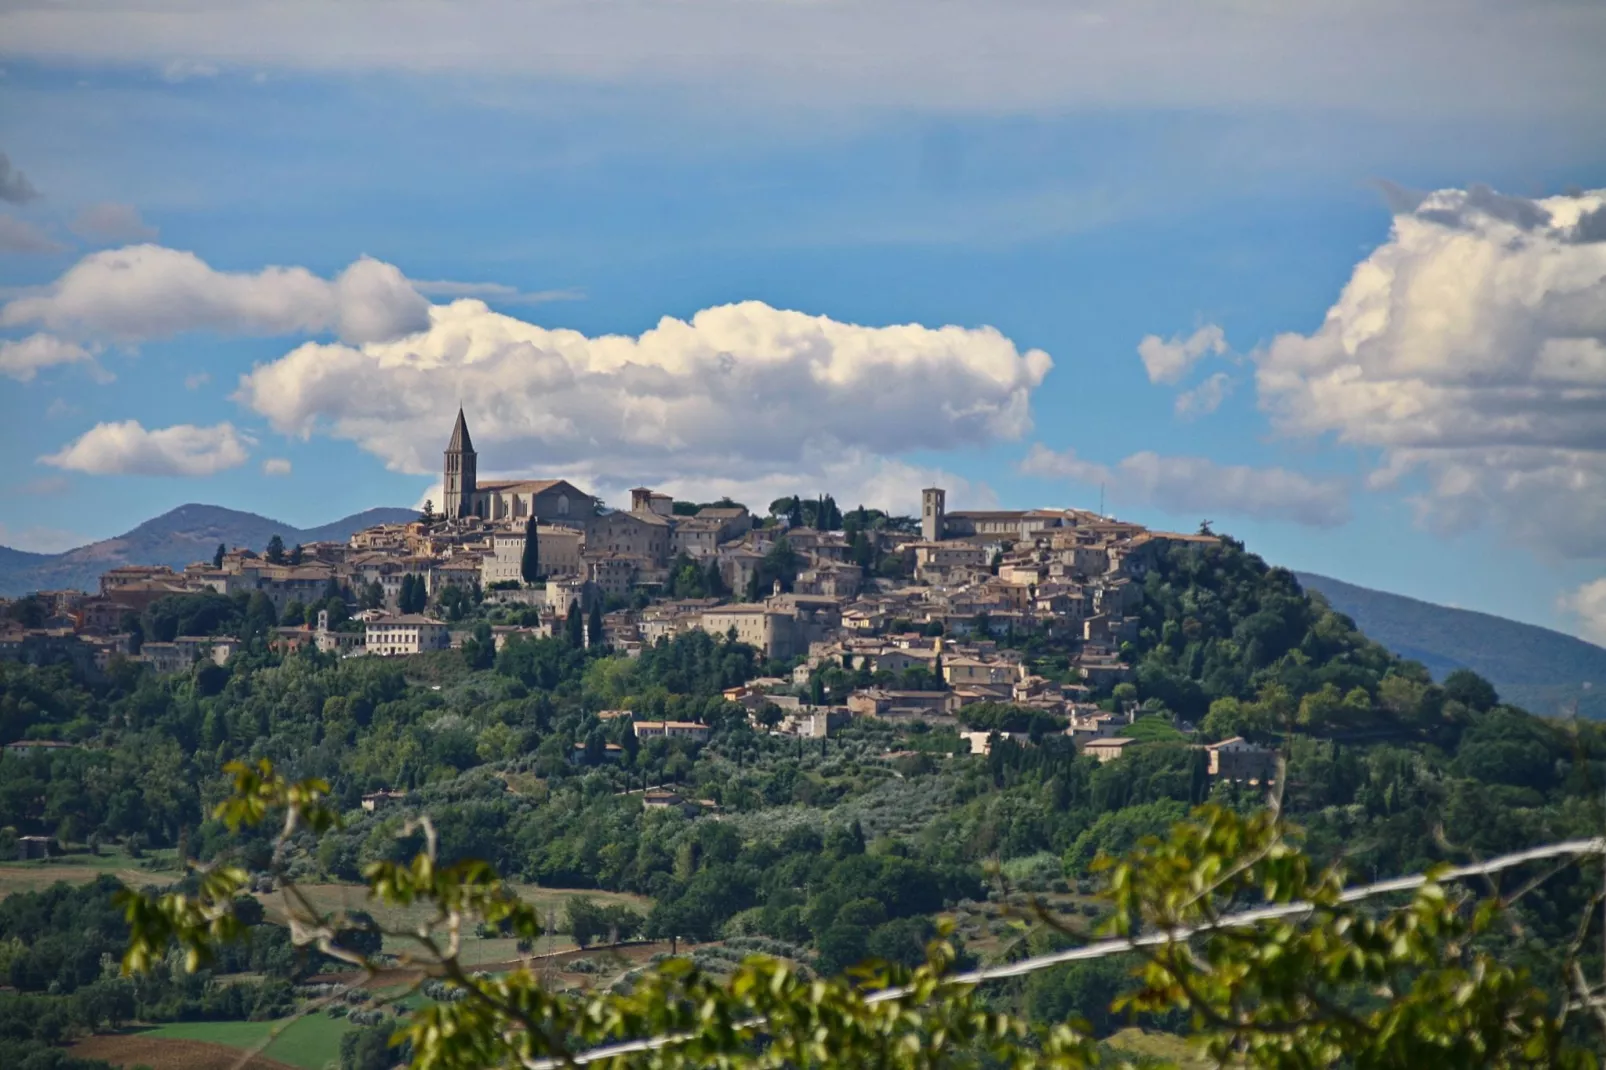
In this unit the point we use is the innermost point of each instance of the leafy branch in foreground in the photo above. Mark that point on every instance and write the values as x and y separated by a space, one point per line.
1333 982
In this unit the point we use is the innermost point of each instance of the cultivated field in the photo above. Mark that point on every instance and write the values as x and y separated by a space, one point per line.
327 897
167 1053
83 867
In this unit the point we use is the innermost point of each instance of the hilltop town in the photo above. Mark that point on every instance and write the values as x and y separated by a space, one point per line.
917 618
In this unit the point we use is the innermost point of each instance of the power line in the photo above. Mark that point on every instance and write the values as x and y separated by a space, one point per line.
1122 944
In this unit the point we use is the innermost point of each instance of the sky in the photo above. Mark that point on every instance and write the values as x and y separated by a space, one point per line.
1329 275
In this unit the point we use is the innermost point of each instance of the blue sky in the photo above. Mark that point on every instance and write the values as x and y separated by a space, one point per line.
1075 185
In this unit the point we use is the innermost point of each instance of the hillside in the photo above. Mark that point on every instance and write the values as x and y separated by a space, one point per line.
176 538
1541 670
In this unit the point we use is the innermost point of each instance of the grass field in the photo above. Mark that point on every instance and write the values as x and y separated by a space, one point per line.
1165 1046
83 867
311 1042
328 897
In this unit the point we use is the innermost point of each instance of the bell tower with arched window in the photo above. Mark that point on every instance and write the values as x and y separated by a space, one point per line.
459 482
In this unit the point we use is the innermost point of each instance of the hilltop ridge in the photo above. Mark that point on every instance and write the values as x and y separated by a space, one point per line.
176 538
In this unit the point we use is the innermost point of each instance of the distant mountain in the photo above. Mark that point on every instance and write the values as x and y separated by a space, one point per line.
188 533
1540 670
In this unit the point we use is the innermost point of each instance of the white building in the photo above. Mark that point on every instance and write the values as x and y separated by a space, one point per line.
670 729
411 633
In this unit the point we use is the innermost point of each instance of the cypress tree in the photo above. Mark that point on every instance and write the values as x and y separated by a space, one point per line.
713 582
574 627
594 626
217 557
530 564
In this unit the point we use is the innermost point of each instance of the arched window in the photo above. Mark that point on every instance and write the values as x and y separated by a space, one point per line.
563 505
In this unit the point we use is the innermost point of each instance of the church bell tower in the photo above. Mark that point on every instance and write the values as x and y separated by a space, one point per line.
460 464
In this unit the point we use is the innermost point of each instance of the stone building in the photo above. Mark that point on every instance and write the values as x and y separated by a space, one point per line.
466 495
410 633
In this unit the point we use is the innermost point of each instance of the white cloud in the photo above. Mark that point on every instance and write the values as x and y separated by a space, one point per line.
1474 58
22 359
196 380
128 449
184 70
112 222
859 478
148 291
1587 606
275 466
1168 362
737 388
1470 351
41 540
1206 397
17 236
499 292
1199 485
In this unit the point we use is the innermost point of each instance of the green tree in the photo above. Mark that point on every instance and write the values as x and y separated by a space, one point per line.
217 555
714 581
594 627
297 554
479 649
275 551
574 627
294 615
530 562
1355 982
1471 690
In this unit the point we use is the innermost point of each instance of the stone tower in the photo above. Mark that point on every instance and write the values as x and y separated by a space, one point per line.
460 464
933 503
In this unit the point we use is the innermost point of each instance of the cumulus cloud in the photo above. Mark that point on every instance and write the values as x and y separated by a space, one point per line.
1587 606
1199 485
18 236
859 478
275 466
22 360
1206 397
129 449
1469 351
738 388
112 222
1169 361
14 185
148 291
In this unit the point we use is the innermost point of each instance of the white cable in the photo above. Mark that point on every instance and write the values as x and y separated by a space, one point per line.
1121 944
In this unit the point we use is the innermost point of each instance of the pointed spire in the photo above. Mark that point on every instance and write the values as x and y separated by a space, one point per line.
460 443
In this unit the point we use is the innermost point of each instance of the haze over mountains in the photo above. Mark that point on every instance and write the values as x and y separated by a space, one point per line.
1543 671
176 538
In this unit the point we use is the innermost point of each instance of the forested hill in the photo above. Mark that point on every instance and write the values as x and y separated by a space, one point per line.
824 851
176 538
1536 668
